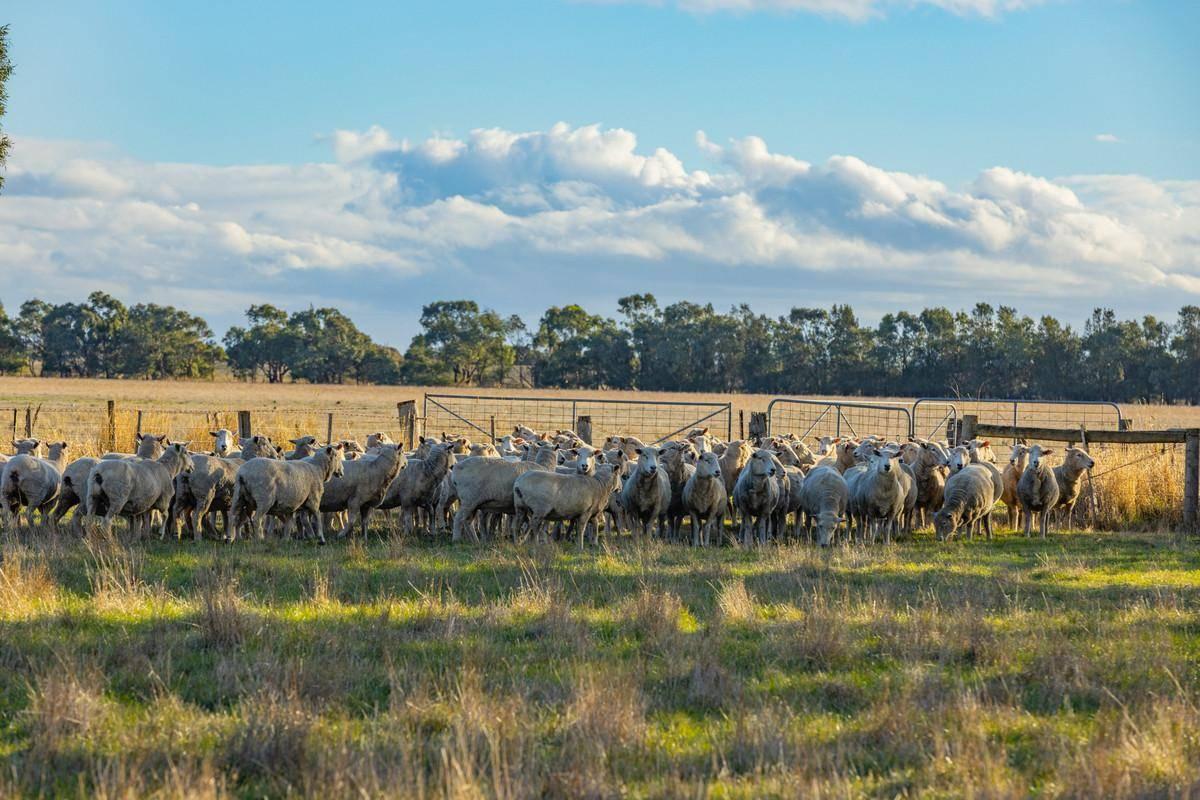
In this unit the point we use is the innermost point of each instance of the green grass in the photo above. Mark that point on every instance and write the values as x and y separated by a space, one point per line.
1066 667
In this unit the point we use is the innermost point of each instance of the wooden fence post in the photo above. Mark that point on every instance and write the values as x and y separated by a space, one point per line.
406 411
139 424
741 423
329 428
583 426
1191 479
967 432
109 439
244 424
758 424
14 436
28 422
492 427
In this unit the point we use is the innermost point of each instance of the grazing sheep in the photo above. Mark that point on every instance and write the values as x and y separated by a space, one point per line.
756 495
362 485
541 496
1076 461
824 497
981 453
646 494
32 483
1011 477
970 494
1038 490
705 499
137 488
282 489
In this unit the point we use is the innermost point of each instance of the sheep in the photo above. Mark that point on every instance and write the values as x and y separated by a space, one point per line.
362 485
483 449
843 455
33 483
305 446
981 453
208 489
225 442
486 485
137 488
627 444
929 475
417 487
733 459
27 447
510 446
970 494
854 510
1011 477
705 499
783 496
880 493
756 495
539 496
352 449
824 497
282 489
646 494
149 445
1038 490
1076 461
678 461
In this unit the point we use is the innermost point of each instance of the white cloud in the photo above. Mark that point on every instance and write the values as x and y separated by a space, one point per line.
1108 138
581 214
855 10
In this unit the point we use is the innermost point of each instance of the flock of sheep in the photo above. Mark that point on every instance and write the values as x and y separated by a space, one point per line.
531 483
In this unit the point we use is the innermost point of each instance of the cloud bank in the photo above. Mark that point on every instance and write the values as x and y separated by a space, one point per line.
523 220
855 10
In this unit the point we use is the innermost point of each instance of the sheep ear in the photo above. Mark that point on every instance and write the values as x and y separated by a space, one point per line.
637 450
163 438
1048 452
987 443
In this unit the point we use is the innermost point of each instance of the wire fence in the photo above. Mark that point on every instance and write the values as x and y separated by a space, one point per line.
488 417
816 418
928 412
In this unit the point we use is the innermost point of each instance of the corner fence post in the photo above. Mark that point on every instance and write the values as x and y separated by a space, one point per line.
1191 479
244 424
583 426
406 411
758 425
969 422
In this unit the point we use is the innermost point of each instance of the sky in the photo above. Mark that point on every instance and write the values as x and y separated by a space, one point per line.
890 154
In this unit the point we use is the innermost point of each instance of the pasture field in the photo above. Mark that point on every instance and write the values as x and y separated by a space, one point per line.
1068 667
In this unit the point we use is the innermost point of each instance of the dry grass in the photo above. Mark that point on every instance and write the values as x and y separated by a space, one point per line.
1064 668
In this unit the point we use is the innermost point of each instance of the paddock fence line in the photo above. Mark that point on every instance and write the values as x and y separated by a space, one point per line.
1165 488
931 413
594 418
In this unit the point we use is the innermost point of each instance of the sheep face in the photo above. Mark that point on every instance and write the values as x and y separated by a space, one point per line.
762 464
708 465
647 460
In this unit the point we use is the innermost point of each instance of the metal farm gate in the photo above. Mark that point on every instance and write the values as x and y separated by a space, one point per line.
817 418
930 414
652 421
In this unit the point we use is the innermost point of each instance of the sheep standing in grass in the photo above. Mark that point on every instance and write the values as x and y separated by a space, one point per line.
485 485
137 488
32 483
880 493
1011 476
1038 490
970 495
1069 474
417 487
283 489
646 494
756 495
705 500
75 477
362 485
678 460
542 496
823 498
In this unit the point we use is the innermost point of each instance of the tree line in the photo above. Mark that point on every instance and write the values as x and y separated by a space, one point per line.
682 346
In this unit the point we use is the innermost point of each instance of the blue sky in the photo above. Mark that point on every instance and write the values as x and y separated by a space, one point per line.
118 108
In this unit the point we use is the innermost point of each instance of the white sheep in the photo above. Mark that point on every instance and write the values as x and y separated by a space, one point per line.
266 487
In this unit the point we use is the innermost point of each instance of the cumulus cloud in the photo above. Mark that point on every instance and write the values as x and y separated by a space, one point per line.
1107 138
856 10
523 220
